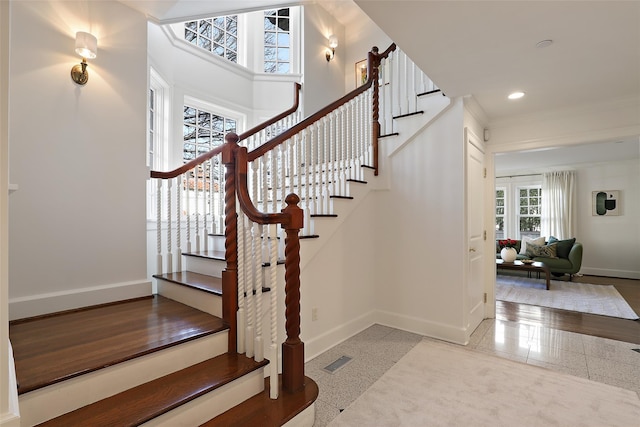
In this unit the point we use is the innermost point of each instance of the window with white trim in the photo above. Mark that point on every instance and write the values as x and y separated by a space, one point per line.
203 130
218 35
157 134
500 212
277 41
529 210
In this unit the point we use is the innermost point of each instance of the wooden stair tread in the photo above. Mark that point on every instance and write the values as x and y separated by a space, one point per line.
142 403
53 348
203 282
261 410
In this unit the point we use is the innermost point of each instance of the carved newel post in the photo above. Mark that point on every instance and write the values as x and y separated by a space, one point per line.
293 347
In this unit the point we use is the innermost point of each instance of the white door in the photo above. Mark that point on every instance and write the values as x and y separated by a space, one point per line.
476 175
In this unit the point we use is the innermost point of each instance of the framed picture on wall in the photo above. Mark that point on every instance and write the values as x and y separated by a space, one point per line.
605 203
361 72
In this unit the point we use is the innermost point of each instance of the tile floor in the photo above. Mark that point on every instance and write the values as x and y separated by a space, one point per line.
377 348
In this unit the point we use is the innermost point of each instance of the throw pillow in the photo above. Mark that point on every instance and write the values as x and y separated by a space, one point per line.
526 240
564 246
547 251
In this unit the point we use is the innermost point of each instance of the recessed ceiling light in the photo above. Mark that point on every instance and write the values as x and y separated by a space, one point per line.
544 43
516 95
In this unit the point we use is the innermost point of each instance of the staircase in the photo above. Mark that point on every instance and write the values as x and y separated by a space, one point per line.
205 349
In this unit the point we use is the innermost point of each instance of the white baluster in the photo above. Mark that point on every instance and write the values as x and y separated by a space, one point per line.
241 313
249 292
205 184
311 174
326 131
306 170
258 348
159 226
343 151
169 255
221 189
273 348
178 255
197 202
188 210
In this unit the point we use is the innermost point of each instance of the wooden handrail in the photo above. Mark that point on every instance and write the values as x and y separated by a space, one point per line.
373 63
293 109
206 156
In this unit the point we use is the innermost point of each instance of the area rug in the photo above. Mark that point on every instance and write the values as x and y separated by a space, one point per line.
583 297
439 384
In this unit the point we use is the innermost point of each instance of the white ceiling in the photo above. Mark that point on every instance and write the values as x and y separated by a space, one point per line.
488 49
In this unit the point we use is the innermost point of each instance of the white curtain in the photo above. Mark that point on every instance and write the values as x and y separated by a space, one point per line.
558 200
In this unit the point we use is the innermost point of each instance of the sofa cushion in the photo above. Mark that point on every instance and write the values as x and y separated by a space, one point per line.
526 240
564 246
546 251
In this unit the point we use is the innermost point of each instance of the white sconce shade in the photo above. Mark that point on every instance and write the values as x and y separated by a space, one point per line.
333 44
86 45
333 41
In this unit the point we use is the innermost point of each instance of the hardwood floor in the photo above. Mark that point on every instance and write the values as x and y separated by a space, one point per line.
588 324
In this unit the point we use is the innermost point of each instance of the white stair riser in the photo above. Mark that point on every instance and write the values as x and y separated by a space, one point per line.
213 403
203 301
57 399
211 267
216 243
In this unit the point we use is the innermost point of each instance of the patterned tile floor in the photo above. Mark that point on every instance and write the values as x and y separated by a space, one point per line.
377 348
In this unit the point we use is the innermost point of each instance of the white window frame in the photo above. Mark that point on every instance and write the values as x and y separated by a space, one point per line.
518 214
277 31
211 19
160 134
250 42
505 207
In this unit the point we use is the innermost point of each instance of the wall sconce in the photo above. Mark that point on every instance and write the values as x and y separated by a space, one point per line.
333 44
86 47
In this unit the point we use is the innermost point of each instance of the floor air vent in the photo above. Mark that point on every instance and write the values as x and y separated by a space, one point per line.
337 364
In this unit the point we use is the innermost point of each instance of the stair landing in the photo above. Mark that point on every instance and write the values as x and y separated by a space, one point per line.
52 348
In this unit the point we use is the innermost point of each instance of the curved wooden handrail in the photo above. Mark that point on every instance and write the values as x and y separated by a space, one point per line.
293 109
206 156
242 191
264 148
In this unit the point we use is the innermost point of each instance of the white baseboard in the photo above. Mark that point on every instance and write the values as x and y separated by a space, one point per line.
335 336
422 327
624 274
36 305
9 420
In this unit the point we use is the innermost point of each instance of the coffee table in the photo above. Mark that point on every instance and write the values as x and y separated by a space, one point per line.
535 267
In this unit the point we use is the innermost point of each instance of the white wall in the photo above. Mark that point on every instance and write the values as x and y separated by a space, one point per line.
360 38
420 234
322 83
78 157
340 281
9 411
611 244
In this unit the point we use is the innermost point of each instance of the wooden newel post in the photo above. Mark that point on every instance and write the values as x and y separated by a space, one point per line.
374 63
230 274
293 347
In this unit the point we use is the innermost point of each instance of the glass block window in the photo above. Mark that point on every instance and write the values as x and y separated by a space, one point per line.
218 35
277 41
202 131
529 210
500 213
